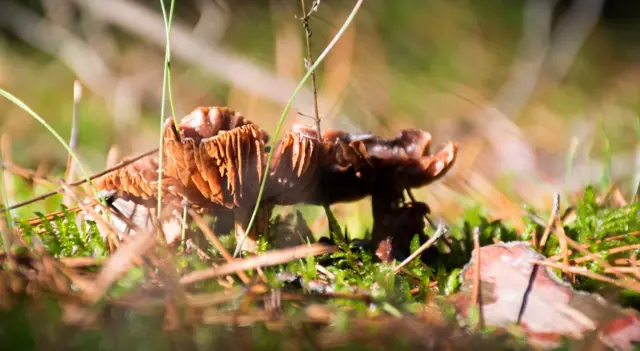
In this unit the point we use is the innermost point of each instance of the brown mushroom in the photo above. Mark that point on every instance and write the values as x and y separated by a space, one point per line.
218 157
131 192
137 182
343 167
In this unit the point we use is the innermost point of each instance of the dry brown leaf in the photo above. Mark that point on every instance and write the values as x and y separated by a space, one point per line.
553 309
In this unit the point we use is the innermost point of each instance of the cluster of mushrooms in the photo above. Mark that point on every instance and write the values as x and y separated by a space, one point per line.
215 160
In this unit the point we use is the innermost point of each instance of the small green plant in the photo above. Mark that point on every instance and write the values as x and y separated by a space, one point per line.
69 235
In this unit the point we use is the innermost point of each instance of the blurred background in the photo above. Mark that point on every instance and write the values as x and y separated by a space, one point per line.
542 96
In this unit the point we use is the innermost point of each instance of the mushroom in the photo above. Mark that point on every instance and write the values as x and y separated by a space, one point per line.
343 167
402 163
131 192
218 157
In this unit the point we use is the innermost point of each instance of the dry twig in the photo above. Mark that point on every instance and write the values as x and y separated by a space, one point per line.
587 273
268 259
309 61
441 231
552 219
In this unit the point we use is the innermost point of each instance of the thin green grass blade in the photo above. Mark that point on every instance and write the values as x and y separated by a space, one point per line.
606 173
165 79
315 65
571 157
168 22
636 179
53 132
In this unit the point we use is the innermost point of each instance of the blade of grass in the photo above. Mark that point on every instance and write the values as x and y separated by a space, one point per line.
571 157
606 173
272 145
165 79
27 109
168 22
637 175
73 139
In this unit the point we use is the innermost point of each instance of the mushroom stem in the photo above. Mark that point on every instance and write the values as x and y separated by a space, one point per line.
242 216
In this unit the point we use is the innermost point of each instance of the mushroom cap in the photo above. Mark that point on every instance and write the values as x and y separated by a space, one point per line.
408 156
296 166
218 157
343 167
137 182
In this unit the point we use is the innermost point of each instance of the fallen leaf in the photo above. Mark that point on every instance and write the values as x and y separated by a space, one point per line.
553 309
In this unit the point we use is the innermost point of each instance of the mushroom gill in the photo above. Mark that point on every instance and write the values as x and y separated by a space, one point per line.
296 166
218 158
137 182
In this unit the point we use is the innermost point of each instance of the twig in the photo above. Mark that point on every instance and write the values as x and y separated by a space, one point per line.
630 270
26 173
79 182
563 245
309 62
271 258
73 139
586 246
78 262
595 256
575 245
552 219
216 242
441 230
587 273
51 216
